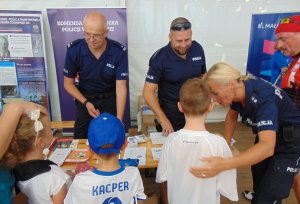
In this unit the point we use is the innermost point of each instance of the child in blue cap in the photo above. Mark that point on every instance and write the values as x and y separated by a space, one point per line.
109 182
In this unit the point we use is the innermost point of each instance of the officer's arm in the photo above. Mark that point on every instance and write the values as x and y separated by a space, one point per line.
260 151
230 125
69 85
152 100
121 93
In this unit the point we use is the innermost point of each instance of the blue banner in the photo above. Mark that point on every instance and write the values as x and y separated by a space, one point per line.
66 26
262 41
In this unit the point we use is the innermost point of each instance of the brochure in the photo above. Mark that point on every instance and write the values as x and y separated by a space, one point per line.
156 152
157 138
79 155
137 138
136 153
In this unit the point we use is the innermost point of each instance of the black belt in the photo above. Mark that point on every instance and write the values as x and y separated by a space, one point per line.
168 105
99 95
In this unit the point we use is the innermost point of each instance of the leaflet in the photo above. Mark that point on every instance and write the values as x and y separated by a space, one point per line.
157 138
136 153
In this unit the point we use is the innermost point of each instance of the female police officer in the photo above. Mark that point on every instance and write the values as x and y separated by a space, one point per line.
275 158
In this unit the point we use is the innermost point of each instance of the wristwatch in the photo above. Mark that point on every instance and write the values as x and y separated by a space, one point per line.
85 102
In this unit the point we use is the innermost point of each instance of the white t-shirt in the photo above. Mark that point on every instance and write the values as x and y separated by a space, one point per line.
40 188
182 150
124 185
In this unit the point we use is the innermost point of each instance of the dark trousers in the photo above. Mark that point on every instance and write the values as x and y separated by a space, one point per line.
273 177
83 118
175 117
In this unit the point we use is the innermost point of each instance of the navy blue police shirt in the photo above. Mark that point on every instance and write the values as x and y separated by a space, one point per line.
96 75
170 71
267 107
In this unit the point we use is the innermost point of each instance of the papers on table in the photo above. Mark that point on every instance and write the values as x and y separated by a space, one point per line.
157 138
137 138
156 152
136 153
59 155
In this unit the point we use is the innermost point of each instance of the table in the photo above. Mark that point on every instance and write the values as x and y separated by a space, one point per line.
150 163
62 124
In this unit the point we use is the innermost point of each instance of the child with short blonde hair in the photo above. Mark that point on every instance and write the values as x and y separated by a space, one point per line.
183 149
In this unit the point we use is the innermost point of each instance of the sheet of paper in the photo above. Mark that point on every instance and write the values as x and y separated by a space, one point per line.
136 153
157 138
156 152
59 155
137 138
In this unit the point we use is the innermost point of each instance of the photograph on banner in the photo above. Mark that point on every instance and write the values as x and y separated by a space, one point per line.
22 60
66 25
4 51
8 80
262 44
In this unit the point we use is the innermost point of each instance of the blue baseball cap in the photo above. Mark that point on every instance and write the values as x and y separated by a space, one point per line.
103 130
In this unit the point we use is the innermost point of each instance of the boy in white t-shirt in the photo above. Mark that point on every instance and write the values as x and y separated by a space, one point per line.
187 146
110 182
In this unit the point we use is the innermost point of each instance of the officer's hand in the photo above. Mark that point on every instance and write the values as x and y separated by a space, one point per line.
91 109
167 127
212 167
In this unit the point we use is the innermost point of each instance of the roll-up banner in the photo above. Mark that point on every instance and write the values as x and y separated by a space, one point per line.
22 57
262 41
66 26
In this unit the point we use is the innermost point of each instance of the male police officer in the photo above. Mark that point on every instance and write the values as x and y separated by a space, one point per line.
288 42
169 68
102 67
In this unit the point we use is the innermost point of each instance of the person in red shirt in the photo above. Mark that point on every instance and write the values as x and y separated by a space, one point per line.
288 42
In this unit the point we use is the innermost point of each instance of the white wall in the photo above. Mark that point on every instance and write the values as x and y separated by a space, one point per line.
221 26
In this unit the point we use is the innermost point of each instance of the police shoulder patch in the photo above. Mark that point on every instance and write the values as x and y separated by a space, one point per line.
119 45
73 43
254 100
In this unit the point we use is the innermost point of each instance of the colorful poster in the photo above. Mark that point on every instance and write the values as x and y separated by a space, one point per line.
66 26
22 60
262 41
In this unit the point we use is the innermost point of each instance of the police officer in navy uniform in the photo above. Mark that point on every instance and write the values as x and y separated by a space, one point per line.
169 68
102 67
275 158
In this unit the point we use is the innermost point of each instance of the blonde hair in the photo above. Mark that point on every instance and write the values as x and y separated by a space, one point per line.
195 97
23 140
222 73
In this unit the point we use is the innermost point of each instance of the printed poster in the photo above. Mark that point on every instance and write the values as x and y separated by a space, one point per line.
22 57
